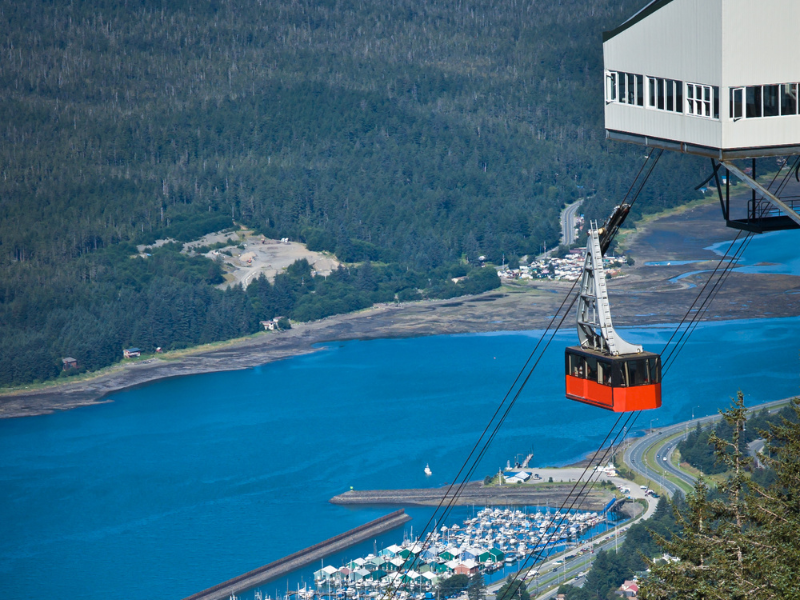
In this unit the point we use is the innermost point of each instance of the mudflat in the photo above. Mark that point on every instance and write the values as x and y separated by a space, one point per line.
645 295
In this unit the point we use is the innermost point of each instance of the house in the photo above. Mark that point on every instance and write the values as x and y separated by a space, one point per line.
470 554
449 554
356 564
499 556
376 562
431 577
131 352
468 567
326 573
68 363
390 551
629 589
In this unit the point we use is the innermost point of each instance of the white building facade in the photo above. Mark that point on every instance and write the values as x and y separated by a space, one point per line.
719 78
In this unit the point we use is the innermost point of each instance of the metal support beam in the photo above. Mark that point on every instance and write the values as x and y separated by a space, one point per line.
767 195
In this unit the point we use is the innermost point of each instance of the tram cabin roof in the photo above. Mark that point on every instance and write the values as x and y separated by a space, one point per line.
717 78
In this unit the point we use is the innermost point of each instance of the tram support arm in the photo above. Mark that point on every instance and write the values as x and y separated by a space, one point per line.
757 187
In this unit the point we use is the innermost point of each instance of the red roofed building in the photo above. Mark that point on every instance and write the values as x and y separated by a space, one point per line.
629 589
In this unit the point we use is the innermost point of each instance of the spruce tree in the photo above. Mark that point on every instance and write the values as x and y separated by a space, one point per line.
744 543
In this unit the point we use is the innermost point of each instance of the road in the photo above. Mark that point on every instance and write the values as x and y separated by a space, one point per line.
568 223
634 457
634 454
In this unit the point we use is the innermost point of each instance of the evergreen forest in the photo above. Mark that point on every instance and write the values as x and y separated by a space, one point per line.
406 137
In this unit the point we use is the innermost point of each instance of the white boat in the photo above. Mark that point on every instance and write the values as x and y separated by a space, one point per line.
428 470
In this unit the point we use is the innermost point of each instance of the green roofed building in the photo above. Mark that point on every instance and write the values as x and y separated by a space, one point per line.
498 555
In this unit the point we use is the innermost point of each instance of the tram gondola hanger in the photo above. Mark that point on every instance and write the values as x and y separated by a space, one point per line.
605 370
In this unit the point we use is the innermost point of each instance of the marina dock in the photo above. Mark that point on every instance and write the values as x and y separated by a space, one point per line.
287 564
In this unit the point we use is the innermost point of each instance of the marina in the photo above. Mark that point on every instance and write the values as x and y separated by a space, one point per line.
493 542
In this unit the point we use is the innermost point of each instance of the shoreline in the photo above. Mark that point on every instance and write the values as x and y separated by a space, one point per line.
645 296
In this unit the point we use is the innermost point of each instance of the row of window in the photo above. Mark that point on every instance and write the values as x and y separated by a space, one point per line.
702 100
757 101
660 93
627 373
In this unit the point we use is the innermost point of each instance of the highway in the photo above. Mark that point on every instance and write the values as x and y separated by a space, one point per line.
634 454
568 223
568 572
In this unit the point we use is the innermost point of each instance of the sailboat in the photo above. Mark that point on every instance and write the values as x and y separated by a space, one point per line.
428 470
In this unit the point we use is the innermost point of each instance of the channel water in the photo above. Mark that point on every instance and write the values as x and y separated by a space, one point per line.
181 484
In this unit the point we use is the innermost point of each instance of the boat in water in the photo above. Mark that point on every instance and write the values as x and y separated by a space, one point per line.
428 471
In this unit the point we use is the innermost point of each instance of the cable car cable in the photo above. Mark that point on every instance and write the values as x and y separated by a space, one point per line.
446 511
724 275
707 301
697 298
530 373
580 495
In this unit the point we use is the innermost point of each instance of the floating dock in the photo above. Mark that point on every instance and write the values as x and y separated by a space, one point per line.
287 564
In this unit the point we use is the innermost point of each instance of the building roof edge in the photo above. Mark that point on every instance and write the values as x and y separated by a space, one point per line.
642 14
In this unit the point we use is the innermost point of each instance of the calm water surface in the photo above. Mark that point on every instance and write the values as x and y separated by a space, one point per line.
181 484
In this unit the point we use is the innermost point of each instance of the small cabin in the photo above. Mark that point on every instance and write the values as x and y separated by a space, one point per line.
68 363
717 78
131 352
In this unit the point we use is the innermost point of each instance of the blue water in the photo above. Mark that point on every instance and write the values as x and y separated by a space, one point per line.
181 484
669 263
778 247
773 252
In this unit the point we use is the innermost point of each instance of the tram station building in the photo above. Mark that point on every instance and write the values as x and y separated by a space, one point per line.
718 78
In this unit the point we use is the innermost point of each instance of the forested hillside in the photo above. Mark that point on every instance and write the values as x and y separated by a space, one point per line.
416 134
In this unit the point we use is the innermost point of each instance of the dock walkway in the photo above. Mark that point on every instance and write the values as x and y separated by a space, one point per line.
281 567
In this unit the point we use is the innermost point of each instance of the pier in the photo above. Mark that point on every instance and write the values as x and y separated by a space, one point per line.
476 493
287 564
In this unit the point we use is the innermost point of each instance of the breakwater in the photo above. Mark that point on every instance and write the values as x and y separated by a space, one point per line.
287 564
477 493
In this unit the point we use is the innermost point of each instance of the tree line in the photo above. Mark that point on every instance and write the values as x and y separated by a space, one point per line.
167 300
699 452
419 137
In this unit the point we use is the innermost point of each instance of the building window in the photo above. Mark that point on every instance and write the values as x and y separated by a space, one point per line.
789 99
702 100
771 103
640 90
737 103
752 102
611 87
665 94
625 88
757 101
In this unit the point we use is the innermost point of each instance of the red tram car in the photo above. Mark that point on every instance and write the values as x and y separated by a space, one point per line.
621 383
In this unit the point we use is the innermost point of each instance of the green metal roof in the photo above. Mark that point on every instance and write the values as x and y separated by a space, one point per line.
642 14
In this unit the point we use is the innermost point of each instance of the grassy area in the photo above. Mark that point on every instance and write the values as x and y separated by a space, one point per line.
655 464
90 375
624 237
